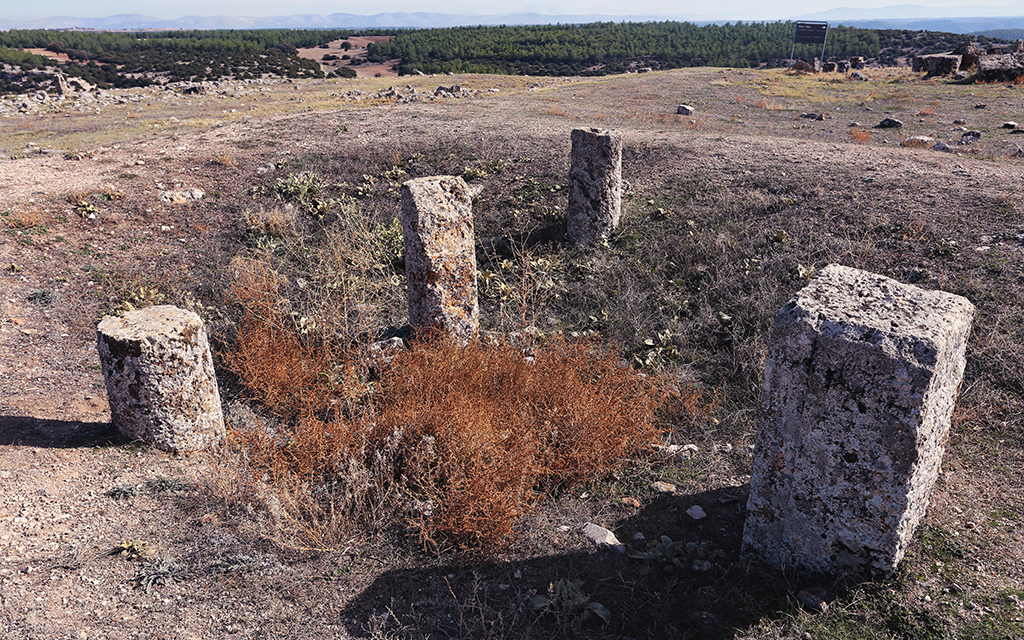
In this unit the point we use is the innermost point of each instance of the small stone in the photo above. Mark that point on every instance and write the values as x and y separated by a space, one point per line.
602 537
960 122
811 602
663 487
723 448
696 512
889 123
1010 125
685 110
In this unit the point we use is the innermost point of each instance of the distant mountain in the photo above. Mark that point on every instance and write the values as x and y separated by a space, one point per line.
948 25
914 11
963 19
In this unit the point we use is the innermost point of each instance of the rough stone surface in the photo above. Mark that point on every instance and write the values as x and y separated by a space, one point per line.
970 54
860 381
595 185
1001 68
938 64
602 537
829 67
684 110
843 66
160 379
440 259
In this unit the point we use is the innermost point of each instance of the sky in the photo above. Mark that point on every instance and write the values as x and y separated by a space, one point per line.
742 9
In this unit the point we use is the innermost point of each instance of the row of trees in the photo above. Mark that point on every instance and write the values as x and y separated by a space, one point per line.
130 59
610 47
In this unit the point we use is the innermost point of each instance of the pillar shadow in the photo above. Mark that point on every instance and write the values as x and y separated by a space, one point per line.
36 432
454 599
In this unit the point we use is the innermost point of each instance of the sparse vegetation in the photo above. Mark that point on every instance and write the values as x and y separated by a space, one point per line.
441 494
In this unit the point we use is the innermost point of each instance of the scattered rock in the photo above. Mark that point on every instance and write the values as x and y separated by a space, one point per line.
967 137
663 487
813 600
181 196
685 110
1010 125
696 512
960 122
723 448
889 123
919 142
602 537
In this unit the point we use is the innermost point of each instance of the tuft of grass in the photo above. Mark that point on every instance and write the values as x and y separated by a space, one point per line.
859 135
456 443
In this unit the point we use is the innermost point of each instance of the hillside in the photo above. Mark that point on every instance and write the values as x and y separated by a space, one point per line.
727 213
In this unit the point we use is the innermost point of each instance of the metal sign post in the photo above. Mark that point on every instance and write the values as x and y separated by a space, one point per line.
810 32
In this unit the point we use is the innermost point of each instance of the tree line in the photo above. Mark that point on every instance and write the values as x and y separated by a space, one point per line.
616 47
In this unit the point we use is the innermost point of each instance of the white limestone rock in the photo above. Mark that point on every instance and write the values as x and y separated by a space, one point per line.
860 382
160 379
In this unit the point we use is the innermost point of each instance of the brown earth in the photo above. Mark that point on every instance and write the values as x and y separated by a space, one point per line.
358 51
70 491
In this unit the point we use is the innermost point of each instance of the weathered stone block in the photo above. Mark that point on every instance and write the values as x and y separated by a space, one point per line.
1008 67
440 258
160 379
860 381
937 64
595 185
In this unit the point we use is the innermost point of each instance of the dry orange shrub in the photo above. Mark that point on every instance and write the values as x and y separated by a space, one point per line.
860 135
459 442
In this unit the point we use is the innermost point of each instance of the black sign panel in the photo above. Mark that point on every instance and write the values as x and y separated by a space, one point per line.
811 32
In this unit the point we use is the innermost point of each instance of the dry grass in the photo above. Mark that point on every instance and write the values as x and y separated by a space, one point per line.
458 443
24 217
860 135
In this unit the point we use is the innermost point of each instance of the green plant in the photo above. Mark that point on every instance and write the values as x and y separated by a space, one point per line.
161 571
132 549
668 556
945 247
566 598
123 491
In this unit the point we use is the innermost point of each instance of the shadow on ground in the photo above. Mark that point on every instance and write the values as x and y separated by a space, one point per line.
24 431
489 599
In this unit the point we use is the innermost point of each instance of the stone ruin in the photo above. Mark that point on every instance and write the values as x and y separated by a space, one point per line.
160 380
595 185
440 255
860 380
938 64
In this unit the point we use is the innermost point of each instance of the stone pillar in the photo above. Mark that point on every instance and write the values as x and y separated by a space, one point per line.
595 185
440 257
860 380
160 379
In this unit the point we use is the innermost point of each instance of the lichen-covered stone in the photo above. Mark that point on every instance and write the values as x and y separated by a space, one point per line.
860 381
440 257
160 379
595 185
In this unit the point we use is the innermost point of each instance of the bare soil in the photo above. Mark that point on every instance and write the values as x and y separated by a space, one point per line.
70 490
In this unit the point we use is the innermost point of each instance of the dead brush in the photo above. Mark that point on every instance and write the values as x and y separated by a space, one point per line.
458 443
274 222
859 135
25 217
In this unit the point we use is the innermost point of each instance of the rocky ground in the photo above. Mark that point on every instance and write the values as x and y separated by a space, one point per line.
105 539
